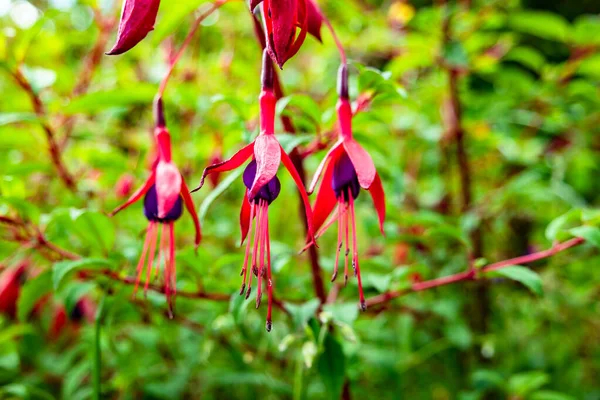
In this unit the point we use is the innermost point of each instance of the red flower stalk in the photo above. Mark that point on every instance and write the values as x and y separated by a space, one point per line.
164 194
286 23
263 187
347 168
137 19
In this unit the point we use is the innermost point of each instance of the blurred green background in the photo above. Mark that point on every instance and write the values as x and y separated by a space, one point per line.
512 87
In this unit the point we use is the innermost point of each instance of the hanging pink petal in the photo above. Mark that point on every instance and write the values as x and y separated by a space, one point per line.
378 196
362 161
137 19
168 187
267 153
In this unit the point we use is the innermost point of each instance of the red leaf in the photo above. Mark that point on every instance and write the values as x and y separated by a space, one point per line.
267 153
362 161
137 19
376 191
238 159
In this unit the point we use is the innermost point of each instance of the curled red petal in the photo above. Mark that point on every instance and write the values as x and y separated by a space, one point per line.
245 218
326 201
322 166
299 39
234 162
137 19
378 196
189 204
137 195
289 165
314 19
362 161
267 153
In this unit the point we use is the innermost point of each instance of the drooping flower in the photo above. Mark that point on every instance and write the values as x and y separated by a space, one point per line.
263 187
137 20
165 193
346 169
286 23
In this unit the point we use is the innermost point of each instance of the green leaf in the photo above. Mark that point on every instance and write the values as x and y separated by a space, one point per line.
96 229
523 275
61 269
11 118
124 96
542 24
591 234
218 191
549 395
303 312
524 383
562 223
332 367
33 290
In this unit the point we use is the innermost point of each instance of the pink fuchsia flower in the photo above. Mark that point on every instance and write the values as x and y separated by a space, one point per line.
286 24
263 187
346 169
165 193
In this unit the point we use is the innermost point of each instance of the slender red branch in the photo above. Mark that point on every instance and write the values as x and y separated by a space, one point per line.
472 274
163 84
54 149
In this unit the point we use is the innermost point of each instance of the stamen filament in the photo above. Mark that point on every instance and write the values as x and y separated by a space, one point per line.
248 244
170 276
264 206
257 236
140 265
345 223
363 303
153 241
269 277
339 240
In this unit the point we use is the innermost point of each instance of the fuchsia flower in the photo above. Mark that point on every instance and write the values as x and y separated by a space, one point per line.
347 168
137 19
286 23
165 193
263 187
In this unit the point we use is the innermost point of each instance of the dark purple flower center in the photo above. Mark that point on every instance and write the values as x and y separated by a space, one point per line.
268 192
151 208
345 180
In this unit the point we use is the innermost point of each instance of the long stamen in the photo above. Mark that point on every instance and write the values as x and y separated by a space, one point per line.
248 244
363 303
339 240
153 237
345 222
162 251
171 290
257 235
269 278
140 265
261 260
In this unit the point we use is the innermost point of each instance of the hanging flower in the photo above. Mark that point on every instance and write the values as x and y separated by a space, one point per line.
263 187
165 193
286 23
137 20
347 168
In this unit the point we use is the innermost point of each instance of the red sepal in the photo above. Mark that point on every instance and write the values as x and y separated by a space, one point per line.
326 200
245 218
137 19
137 195
376 191
289 165
362 162
189 204
327 159
234 162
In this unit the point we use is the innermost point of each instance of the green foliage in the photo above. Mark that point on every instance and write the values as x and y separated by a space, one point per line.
525 79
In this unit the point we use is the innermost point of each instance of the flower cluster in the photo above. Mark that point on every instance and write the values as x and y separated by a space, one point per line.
346 169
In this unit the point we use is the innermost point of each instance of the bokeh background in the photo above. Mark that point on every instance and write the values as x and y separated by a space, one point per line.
482 118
